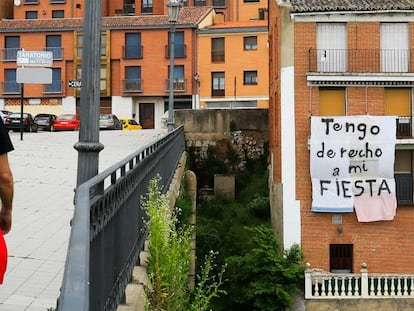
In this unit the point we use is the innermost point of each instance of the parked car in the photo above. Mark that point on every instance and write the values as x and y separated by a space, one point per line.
109 122
130 124
4 113
13 122
45 121
67 122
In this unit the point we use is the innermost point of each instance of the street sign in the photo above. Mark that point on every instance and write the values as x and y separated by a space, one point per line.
34 58
34 75
74 83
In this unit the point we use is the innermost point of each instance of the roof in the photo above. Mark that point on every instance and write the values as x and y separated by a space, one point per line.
305 6
189 16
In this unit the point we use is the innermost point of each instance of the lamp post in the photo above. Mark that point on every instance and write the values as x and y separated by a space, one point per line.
173 10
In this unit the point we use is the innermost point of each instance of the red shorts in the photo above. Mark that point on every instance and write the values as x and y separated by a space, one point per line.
3 257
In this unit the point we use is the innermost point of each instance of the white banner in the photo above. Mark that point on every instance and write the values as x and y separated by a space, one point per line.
352 165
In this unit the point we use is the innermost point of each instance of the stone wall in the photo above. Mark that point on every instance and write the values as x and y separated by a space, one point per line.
388 304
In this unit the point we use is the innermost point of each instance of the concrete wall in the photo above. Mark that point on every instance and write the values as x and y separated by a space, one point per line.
214 124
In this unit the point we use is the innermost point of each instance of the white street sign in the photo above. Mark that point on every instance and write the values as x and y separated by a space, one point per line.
34 75
34 58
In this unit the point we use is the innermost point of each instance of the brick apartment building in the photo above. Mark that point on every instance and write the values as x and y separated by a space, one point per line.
134 55
348 63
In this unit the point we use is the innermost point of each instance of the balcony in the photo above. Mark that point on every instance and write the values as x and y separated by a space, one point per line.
10 88
180 51
360 67
9 54
360 61
57 52
132 51
132 85
404 188
179 85
322 285
54 88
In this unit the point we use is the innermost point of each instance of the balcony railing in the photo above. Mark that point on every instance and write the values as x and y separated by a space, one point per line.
404 188
57 52
9 54
54 87
321 285
179 85
10 88
180 51
360 60
132 85
132 51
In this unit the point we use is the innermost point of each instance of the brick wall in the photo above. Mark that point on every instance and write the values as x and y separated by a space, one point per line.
386 246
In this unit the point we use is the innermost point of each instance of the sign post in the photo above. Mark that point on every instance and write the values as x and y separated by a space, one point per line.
32 75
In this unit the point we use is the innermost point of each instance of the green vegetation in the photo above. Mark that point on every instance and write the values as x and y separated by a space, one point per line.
260 275
169 261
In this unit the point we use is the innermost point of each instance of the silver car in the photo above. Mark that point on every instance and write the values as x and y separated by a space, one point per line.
109 122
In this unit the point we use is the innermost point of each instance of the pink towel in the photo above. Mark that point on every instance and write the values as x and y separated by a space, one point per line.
378 208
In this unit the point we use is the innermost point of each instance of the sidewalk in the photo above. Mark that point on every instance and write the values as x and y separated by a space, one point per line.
44 167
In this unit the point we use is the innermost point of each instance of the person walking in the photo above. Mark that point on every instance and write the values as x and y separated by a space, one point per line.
6 195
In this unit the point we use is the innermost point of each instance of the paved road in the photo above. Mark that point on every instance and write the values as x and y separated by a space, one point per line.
44 168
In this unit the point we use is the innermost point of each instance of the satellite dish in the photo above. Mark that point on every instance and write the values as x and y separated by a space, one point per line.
17 2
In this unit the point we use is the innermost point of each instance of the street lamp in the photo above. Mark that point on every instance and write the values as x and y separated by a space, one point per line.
173 10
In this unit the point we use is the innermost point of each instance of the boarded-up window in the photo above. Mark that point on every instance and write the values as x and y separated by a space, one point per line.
332 101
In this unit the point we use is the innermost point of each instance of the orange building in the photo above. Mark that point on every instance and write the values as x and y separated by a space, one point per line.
348 64
233 65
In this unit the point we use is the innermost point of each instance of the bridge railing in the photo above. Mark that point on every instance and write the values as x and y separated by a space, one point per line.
108 230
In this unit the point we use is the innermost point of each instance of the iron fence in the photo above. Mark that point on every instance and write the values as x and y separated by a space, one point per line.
360 60
108 230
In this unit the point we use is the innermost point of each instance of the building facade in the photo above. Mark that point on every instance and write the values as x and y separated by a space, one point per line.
348 64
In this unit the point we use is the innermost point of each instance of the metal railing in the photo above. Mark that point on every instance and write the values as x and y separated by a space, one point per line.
108 230
360 60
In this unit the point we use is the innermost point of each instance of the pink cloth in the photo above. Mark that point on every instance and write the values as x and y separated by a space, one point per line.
370 208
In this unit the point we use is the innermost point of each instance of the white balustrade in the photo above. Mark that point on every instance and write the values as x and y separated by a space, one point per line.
323 285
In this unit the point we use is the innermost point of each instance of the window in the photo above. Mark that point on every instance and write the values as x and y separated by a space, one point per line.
31 14
219 3
79 44
178 75
54 44
398 103
56 85
129 7
199 2
12 45
133 47
146 6
250 77
179 46
217 50
341 258
218 84
57 1
332 101
10 84
31 1
251 1
404 176
132 79
332 47
58 14
250 43
395 53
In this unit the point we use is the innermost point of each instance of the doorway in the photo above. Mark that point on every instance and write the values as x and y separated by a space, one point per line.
146 115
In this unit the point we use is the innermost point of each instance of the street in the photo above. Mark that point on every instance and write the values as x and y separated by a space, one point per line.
44 166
